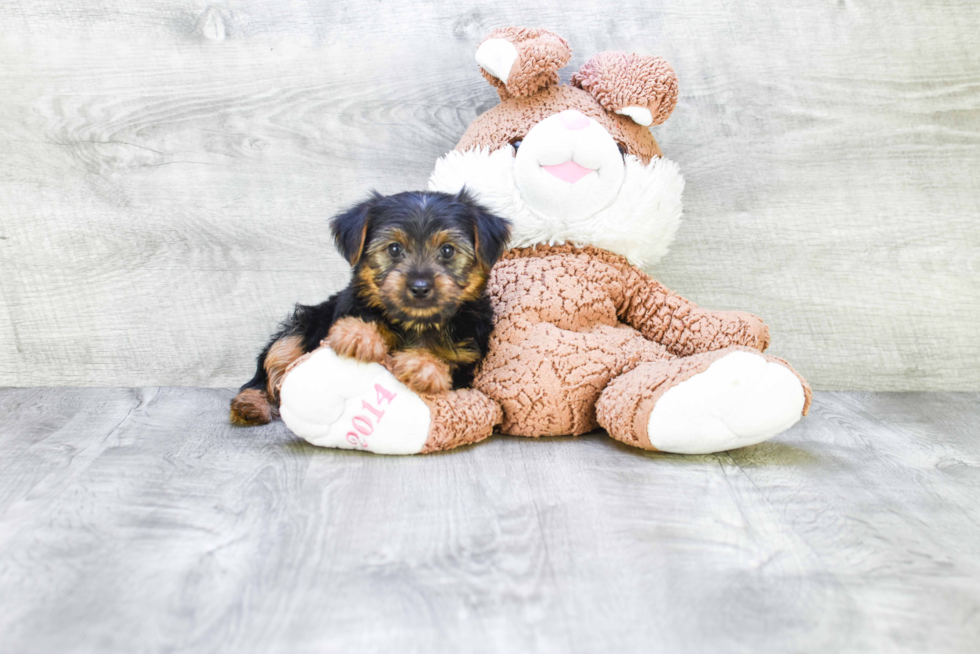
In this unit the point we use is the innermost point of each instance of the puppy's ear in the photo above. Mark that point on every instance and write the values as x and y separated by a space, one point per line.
350 228
490 232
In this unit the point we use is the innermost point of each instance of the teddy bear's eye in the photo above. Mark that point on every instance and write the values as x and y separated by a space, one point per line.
516 143
622 149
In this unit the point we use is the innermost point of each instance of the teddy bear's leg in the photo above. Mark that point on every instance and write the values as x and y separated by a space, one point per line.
708 402
333 401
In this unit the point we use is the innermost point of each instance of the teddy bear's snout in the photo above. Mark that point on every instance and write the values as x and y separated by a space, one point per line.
573 120
568 165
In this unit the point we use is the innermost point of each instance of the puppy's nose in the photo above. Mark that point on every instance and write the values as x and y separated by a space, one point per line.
420 287
573 120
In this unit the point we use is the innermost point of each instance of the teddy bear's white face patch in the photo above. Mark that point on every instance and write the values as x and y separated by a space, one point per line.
639 223
568 166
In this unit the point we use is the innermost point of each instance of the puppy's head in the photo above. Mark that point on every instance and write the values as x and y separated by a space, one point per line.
418 256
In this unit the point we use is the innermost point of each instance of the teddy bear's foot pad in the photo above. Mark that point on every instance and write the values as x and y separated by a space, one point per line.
741 399
333 401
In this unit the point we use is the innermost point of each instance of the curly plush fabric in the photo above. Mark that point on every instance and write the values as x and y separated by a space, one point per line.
512 120
619 80
570 320
657 312
460 418
540 54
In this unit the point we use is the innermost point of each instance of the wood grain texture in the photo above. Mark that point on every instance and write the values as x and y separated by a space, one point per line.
139 520
168 168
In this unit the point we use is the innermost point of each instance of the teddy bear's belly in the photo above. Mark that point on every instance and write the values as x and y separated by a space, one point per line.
570 292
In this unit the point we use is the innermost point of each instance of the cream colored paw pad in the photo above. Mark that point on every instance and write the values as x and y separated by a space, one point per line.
332 401
741 399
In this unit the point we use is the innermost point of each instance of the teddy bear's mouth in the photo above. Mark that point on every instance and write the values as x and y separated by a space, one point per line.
569 171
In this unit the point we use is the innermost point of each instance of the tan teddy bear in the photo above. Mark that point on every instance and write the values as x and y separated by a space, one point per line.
583 338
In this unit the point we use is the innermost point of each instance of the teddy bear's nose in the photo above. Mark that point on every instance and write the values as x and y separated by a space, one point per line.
573 120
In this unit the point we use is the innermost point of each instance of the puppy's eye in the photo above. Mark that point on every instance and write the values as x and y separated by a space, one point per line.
447 251
622 149
395 250
516 143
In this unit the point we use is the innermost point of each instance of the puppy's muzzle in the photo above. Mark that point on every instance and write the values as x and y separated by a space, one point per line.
420 288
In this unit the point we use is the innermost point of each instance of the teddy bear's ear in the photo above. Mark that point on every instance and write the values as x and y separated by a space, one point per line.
520 60
643 88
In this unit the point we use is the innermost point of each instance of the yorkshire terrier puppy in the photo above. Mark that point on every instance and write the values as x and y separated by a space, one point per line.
416 302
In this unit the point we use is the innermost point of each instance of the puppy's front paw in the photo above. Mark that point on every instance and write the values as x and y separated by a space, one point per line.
355 339
421 371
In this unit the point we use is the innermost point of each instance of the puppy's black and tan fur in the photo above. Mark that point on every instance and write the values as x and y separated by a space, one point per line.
416 300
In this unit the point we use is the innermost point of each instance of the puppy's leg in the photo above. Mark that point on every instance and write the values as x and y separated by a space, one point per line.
282 353
255 402
355 339
421 371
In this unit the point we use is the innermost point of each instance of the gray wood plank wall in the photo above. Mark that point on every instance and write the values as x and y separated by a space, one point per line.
167 169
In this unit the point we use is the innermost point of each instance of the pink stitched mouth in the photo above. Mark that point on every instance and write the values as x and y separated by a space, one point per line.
568 172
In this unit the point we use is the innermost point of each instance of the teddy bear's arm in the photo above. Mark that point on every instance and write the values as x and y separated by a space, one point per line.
682 326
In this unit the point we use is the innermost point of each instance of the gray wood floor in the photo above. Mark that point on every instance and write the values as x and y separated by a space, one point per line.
139 521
